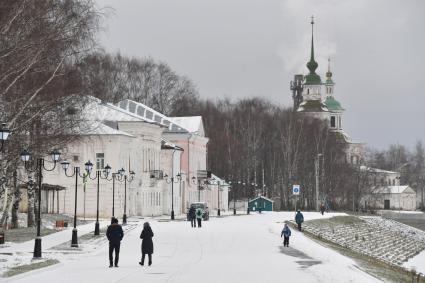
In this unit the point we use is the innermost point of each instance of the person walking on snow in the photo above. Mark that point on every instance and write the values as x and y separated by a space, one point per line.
114 233
147 243
299 218
322 209
199 213
192 216
286 233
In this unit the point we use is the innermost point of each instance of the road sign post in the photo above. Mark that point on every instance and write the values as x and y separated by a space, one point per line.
296 193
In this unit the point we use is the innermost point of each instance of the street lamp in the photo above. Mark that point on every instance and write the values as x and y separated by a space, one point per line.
113 177
4 135
89 167
25 157
199 182
254 185
234 196
218 198
122 177
168 181
76 173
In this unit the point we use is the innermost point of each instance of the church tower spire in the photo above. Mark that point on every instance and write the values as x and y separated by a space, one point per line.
312 78
311 88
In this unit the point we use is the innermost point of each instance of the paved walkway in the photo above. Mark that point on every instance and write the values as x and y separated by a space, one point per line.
228 249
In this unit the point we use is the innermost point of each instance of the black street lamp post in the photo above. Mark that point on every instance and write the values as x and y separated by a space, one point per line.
199 182
76 173
113 193
234 197
106 171
25 157
122 177
218 198
171 180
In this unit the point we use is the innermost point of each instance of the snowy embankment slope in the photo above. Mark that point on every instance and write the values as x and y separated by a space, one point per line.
417 263
228 249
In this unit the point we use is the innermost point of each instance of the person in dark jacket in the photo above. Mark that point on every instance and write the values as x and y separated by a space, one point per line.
286 233
299 218
322 208
199 213
192 216
147 244
115 235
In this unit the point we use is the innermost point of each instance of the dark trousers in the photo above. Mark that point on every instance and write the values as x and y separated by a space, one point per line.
285 241
199 222
113 247
150 259
299 226
193 222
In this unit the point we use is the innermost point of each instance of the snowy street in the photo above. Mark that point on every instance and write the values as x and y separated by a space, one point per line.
228 249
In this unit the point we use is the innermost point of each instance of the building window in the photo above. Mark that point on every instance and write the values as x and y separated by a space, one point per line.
333 121
308 91
75 158
100 161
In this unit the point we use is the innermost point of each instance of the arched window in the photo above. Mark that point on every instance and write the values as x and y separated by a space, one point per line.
333 120
308 91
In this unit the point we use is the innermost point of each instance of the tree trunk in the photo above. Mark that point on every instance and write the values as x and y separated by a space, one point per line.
5 215
16 200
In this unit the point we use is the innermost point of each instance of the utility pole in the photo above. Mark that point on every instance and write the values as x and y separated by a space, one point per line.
317 173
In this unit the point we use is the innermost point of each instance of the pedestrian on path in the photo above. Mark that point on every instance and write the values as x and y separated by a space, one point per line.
199 214
147 243
286 233
299 218
322 208
192 216
114 233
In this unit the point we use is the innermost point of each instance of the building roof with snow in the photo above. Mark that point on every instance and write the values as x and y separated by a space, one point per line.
193 124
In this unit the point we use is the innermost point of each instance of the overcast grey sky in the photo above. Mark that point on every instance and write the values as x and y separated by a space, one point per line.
245 48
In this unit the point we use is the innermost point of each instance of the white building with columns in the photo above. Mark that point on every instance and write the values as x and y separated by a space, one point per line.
134 137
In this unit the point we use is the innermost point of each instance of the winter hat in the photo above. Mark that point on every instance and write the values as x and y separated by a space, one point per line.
114 220
146 224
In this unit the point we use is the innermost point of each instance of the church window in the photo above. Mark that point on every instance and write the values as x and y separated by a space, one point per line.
100 161
333 121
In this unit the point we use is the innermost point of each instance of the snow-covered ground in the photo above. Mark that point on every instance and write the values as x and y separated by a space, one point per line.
228 249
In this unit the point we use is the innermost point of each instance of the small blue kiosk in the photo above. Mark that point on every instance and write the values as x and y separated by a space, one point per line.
260 203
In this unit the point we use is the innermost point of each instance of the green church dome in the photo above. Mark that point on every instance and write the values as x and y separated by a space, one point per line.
332 104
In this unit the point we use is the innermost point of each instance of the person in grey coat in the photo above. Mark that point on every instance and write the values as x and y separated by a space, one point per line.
147 243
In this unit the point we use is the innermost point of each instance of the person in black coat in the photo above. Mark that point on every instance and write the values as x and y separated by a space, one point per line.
192 216
115 235
147 244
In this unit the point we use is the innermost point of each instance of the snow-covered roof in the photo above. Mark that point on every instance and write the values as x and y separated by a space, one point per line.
376 170
98 128
169 145
263 197
146 113
96 110
392 190
215 179
192 123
